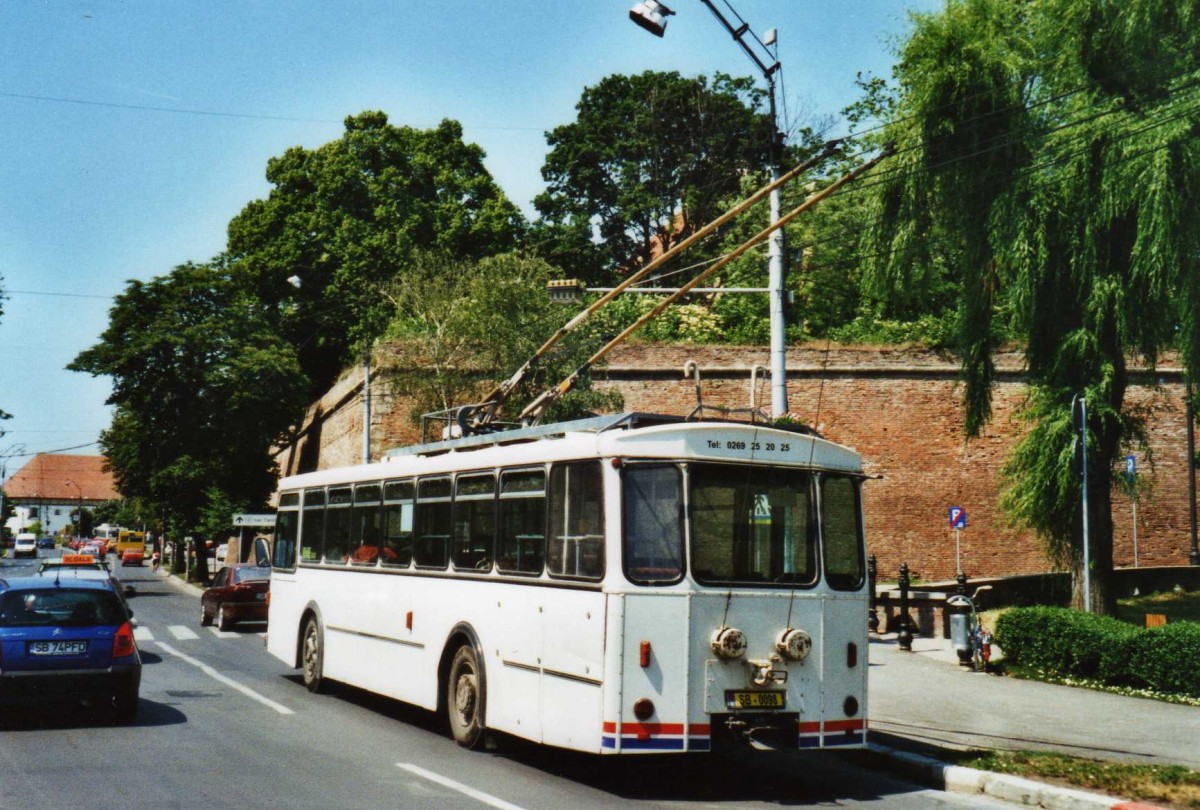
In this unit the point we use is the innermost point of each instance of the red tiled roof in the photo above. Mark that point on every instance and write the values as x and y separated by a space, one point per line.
62 478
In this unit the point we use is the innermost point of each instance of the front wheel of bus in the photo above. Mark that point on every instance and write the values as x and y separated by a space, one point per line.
312 656
464 698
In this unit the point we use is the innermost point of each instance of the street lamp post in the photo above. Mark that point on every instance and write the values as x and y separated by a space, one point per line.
9 452
79 519
651 15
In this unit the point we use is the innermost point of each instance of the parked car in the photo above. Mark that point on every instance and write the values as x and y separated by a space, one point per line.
45 542
65 642
238 593
222 550
25 545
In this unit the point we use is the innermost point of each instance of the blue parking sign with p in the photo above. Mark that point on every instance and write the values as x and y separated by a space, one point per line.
958 517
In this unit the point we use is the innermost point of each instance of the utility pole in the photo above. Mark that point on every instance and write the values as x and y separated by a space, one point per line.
651 15
1194 554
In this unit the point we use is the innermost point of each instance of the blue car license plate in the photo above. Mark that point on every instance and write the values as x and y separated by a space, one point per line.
58 647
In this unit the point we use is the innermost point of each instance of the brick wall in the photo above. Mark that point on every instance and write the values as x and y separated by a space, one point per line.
899 407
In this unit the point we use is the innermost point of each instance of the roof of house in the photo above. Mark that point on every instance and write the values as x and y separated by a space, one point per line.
62 478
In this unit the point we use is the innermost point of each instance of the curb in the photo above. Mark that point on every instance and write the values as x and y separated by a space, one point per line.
1003 787
178 583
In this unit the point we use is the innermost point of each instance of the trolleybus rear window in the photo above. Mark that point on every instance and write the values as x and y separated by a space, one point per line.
844 565
752 525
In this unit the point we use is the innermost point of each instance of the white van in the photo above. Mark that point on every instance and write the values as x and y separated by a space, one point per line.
25 545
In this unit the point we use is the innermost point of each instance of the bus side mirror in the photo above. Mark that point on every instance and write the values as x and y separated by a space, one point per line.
262 553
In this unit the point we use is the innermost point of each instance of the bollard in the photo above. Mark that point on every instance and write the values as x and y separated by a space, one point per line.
872 616
904 636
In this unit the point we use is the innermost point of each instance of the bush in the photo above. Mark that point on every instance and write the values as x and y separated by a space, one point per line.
1066 642
1164 658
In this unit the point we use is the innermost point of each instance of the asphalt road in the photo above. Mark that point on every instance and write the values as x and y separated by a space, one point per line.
223 724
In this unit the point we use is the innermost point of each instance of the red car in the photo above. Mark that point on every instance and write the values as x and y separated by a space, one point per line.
239 593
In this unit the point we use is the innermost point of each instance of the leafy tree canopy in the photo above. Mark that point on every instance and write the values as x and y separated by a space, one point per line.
1048 161
460 323
202 385
643 150
343 218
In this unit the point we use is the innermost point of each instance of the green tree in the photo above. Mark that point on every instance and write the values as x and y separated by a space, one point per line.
1049 156
460 325
648 157
343 218
202 385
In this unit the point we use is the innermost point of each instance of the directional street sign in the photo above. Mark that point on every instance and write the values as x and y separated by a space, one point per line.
1130 468
958 517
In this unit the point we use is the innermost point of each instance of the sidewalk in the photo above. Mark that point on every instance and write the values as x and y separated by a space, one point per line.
924 701
925 696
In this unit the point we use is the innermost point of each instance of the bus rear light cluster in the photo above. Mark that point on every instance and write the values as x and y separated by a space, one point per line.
794 644
729 643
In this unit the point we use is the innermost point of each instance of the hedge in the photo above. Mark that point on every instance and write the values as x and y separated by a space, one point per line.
1065 642
1069 643
1167 659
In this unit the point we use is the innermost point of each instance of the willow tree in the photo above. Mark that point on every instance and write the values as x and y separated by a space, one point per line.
1050 167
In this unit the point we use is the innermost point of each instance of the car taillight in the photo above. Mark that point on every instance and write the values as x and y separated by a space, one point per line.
123 646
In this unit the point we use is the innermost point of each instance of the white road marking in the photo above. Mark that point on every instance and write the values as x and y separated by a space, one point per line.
143 634
478 795
224 633
182 632
225 679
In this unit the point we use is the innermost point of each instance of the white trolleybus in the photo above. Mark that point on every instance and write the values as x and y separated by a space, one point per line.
622 584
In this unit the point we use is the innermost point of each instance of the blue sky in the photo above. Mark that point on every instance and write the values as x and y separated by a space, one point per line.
132 132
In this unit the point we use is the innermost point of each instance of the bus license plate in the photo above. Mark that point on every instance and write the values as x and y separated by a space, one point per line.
755 700
57 647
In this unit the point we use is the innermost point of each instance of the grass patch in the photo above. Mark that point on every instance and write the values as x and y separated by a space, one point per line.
1172 785
1034 674
1177 607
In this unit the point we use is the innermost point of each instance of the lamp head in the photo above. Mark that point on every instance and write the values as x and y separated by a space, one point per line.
651 15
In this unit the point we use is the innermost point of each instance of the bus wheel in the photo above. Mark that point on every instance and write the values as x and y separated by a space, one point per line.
464 698
312 656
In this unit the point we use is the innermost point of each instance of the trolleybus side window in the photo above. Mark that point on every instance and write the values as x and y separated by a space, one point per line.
474 522
751 525
287 529
576 537
522 542
840 527
312 526
366 530
653 522
432 522
398 526
338 517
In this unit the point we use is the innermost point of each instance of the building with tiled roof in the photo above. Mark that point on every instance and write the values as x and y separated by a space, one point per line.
51 488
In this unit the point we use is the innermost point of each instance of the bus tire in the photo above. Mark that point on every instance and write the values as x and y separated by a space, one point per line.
464 698
312 656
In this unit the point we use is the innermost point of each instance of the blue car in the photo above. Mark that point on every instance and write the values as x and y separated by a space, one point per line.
67 642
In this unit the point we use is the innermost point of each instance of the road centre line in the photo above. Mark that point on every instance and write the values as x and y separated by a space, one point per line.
478 795
225 679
